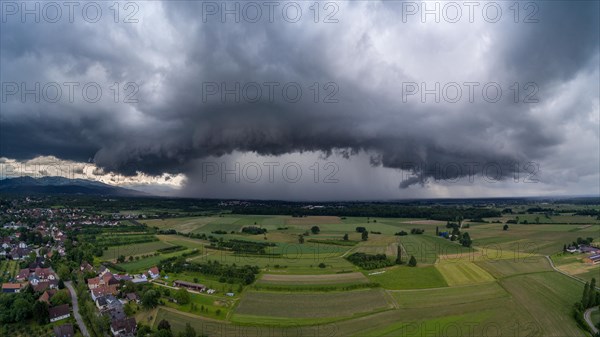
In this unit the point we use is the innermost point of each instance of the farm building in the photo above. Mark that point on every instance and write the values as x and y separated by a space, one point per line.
11 287
589 249
59 312
593 259
189 285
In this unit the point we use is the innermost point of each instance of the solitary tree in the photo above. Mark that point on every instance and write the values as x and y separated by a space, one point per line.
346 237
465 240
437 231
365 236
301 239
164 325
505 227
412 262
399 255
315 229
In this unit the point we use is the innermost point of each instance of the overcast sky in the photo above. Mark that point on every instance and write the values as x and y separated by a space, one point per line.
292 100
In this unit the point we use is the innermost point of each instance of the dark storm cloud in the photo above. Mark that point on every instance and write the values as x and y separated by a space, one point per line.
172 55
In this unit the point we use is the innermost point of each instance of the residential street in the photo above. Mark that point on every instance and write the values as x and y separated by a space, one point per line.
78 318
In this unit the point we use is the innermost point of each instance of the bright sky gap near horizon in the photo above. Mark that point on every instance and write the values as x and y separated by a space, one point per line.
304 100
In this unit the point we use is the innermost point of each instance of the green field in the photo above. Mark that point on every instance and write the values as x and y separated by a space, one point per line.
503 268
463 273
548 297
307 307
402 277
432 298
111 253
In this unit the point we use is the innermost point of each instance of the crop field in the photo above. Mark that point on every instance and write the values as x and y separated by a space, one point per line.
432 298
402 277
508 267
313 279
186 225
312 220
463 273
476 320
145 263
176 240
324 282
312 306
111 253
503 282
548 297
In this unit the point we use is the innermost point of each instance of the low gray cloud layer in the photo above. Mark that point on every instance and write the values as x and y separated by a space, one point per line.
366 63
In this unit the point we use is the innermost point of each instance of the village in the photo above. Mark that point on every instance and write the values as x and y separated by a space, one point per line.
35 240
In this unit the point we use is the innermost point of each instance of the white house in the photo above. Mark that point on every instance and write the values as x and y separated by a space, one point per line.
154 272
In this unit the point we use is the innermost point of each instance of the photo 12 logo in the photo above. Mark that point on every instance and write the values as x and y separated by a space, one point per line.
468 92
469 11
69 11
269 12
271 172
454 172
269 92
68 92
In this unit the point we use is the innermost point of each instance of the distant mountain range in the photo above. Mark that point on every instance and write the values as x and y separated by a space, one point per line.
60 185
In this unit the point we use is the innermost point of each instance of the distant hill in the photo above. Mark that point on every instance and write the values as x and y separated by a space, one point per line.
60 185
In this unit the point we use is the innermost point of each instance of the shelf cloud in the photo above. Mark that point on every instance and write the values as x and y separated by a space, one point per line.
381 81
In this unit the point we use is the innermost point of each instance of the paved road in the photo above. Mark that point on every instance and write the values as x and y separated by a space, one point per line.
588 318
78 318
